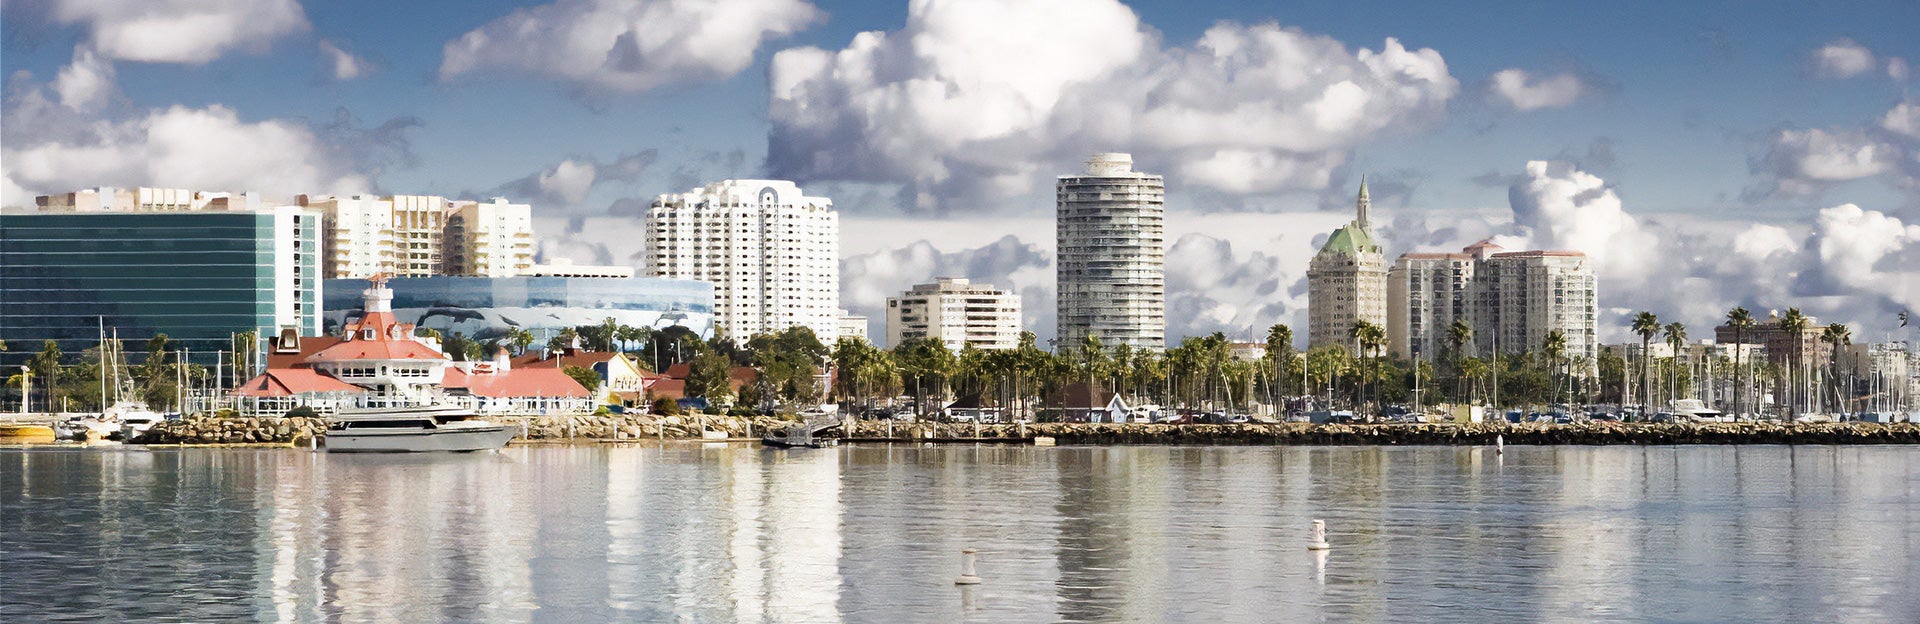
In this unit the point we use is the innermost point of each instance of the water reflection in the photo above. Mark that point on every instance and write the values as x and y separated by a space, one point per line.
692 532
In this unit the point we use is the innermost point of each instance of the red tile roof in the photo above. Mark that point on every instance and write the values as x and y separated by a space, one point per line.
291 381
529 382
309 345
675 389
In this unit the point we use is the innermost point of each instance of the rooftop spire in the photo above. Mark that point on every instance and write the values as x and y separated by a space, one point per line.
1361 205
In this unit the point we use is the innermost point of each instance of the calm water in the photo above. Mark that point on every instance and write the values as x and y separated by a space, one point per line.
696 533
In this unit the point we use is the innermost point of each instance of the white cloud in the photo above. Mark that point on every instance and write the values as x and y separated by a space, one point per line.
1515 88
1903 119
1804 162
201 148
180 31
1842 58
1849 244
1561 207
86 83
341 65
627 45
974 101
569 182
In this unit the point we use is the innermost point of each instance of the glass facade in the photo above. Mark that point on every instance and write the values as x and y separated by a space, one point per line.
484 308
198 277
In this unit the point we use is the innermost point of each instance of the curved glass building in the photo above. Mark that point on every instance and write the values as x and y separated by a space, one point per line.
484 308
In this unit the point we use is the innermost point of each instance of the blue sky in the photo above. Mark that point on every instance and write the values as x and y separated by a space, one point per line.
1700 122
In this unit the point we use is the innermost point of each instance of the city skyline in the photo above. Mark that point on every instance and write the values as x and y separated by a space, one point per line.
1766 160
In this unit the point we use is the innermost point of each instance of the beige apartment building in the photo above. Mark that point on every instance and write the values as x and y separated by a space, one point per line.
956 312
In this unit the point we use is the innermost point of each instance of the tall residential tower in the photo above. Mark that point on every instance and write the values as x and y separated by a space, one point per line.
771 252
1346 281
1111 260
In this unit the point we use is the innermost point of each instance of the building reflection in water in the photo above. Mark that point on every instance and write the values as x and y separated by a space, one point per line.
872 533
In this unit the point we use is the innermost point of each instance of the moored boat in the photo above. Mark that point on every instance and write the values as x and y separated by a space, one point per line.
414 429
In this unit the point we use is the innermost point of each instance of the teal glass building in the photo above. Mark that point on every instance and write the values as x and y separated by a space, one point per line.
197 276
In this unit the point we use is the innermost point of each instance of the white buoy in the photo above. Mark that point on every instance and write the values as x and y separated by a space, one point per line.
1319 536
1499 444
967 575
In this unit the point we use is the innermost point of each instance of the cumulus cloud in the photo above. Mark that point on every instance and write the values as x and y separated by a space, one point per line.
1842 58
50 147
972 102
340 65
626 45
1846 58
1803 162
1557 206
180 31
1212 288
86 83
569 182
202 148
1523 92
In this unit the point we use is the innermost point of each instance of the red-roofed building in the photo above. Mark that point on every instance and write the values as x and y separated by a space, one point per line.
378 360
621 378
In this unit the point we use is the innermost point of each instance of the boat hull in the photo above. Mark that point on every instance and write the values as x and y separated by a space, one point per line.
420 440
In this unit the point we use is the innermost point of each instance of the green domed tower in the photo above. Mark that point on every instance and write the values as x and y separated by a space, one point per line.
1347 280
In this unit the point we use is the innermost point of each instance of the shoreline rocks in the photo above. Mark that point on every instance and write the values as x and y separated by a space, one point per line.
639 427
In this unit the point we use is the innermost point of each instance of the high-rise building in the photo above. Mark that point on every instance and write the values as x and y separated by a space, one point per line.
1510 299
196 276
1520 297
359 240
419 233
771 252
423 235
490 239
1111 259
955 312
1346 281
1426 293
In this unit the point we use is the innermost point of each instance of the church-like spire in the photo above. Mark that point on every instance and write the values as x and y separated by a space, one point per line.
1362 204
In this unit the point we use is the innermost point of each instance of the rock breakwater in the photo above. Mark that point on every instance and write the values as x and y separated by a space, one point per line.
299 431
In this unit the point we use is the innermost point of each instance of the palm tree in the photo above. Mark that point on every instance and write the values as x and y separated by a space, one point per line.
1459 334
1836 335
1367 338
1554 347
1740 320
1677 339
1279 355
1646 324
519 338
1794 324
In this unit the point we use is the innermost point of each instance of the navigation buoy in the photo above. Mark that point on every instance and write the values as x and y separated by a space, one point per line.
967 575
1319 536
1499 444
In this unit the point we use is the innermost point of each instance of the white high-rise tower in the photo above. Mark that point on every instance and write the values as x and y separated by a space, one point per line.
771 252
1111 260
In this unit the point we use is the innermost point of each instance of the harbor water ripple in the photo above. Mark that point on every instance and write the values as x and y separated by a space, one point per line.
690 532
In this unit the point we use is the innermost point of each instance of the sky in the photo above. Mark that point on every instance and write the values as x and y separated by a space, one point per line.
1706 155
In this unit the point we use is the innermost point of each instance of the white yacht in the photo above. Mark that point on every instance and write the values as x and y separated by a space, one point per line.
1696 410
413 429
